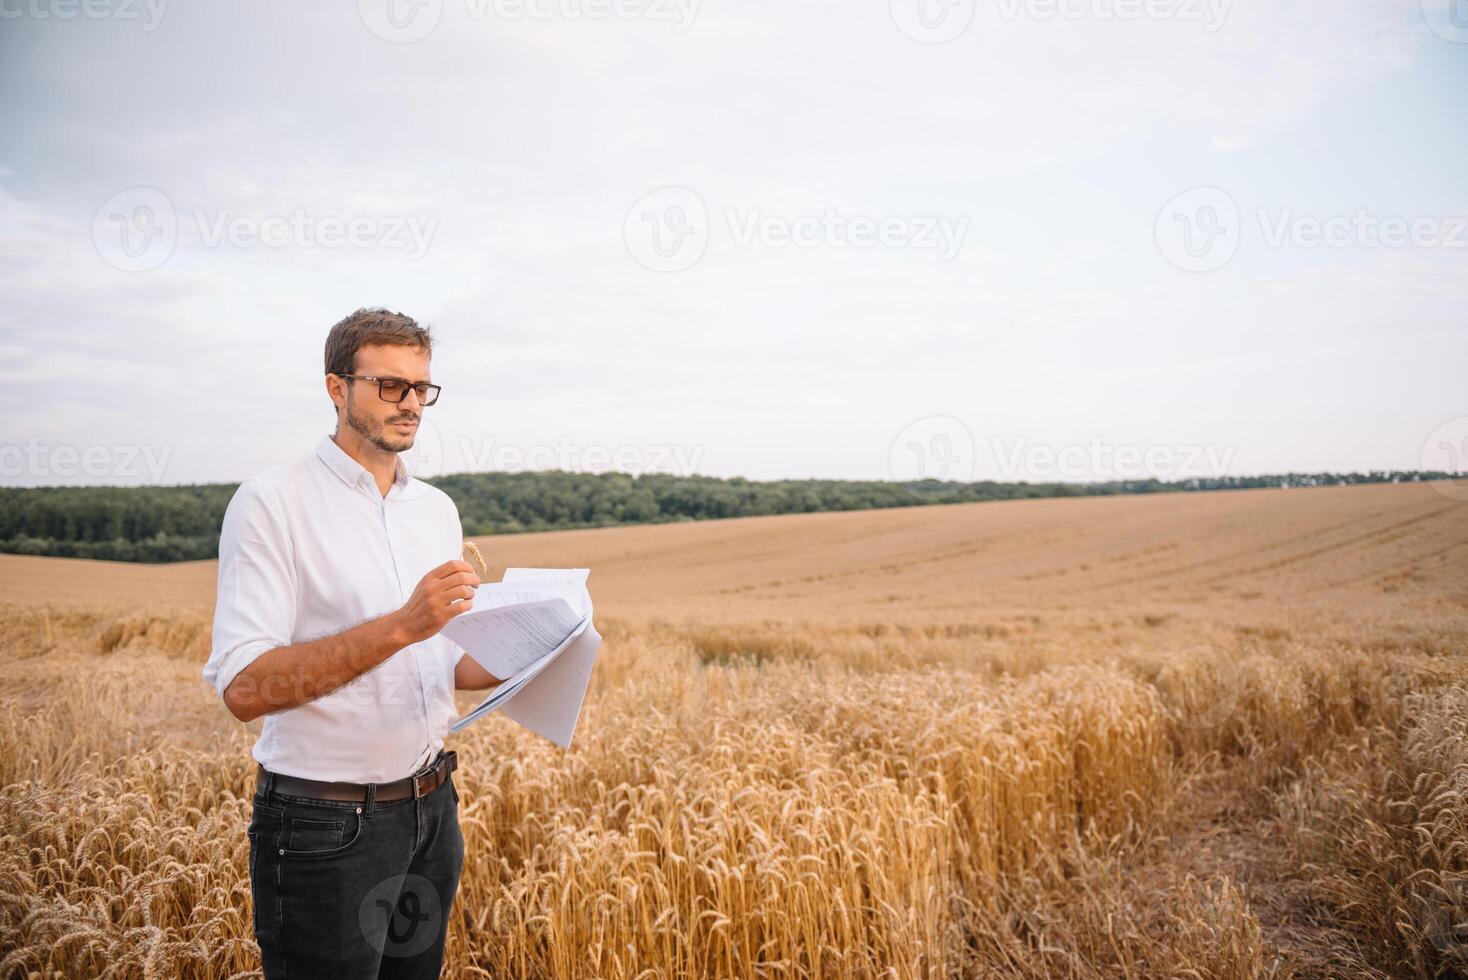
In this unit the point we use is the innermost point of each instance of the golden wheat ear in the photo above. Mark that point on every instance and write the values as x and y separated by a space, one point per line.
476 558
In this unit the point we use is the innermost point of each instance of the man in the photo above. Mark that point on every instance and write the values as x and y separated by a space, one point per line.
336 573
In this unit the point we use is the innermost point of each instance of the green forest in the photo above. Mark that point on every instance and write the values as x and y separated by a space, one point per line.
181 523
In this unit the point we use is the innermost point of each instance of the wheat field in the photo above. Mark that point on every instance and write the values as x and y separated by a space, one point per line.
1215 735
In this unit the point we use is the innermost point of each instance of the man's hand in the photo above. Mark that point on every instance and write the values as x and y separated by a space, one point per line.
444 593
293 675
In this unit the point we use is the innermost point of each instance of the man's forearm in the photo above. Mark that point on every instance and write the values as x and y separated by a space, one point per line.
293 675
470 676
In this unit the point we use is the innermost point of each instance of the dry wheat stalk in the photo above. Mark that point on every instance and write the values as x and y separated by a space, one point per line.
950 792
476 558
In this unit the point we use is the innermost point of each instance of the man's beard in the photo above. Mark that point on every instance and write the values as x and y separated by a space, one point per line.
376 432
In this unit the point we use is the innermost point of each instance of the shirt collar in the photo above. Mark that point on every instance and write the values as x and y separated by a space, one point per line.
353 473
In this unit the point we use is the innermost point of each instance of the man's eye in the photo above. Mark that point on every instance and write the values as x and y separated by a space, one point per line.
392 387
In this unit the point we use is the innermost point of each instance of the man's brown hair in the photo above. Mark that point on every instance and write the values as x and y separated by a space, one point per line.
374 326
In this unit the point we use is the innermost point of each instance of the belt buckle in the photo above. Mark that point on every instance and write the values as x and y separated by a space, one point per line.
423 774
443 761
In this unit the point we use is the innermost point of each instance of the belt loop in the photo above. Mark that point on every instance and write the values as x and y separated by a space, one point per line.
371 798
269 783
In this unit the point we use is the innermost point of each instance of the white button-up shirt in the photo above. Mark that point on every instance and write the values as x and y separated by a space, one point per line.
312 548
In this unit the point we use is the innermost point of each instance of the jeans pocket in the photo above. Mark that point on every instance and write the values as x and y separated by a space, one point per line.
320 835
455 790
314 835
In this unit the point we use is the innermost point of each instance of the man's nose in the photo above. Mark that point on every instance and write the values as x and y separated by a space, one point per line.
411 400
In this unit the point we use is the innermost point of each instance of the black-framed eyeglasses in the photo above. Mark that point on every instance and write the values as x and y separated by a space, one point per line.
396 389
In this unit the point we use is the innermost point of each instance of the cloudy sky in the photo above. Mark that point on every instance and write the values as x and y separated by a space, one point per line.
1017 239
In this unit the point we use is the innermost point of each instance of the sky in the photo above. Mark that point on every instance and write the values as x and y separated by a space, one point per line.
875 239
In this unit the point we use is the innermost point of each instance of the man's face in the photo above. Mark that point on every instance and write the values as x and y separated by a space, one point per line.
388 426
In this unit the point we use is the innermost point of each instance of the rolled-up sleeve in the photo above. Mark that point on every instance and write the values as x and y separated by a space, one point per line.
255 607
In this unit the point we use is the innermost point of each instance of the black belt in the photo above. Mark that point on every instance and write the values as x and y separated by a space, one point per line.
421 783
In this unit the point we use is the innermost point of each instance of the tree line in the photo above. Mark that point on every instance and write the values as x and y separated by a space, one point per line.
181 523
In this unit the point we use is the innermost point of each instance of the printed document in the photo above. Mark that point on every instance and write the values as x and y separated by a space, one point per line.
533 628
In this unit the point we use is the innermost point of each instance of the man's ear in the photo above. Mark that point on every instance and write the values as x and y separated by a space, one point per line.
336 390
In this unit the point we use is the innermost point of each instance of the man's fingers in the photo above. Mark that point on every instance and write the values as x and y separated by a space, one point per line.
451 567
457 579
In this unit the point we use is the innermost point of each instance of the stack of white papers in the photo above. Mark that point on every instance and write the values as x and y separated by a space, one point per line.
533 628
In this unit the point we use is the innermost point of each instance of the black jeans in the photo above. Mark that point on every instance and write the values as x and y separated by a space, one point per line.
354 890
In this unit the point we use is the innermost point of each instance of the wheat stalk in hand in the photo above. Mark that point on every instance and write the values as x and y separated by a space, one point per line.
476 558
